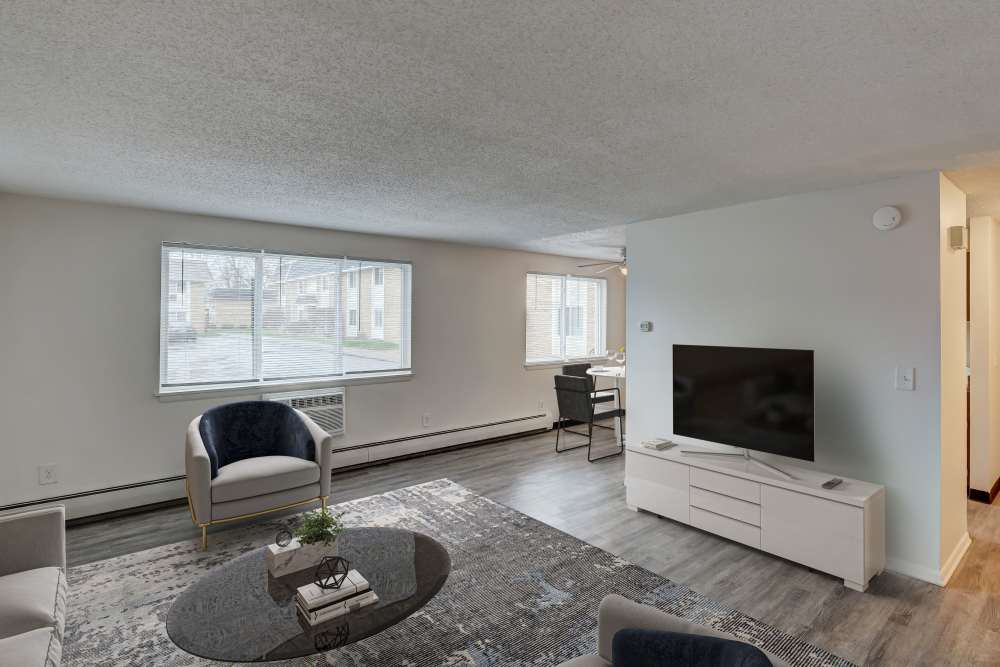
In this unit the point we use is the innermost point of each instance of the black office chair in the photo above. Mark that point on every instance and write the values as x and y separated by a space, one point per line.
576 404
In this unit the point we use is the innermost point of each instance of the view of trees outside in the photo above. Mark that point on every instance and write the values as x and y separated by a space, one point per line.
319 316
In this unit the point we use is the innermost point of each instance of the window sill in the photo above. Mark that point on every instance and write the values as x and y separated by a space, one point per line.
559 364
223 390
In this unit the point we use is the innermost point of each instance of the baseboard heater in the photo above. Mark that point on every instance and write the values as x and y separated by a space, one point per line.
437 434
92 492
380 443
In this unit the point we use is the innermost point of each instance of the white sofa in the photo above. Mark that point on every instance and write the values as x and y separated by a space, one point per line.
32 587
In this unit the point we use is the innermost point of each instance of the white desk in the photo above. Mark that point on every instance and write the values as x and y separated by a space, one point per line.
617 373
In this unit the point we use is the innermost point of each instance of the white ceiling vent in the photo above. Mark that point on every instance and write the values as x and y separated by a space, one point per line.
326 407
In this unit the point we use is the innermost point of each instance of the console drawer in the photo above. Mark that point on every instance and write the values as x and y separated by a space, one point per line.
734 487
717 503
737 531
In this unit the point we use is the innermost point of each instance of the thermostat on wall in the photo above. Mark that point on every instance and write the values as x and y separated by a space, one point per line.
645 326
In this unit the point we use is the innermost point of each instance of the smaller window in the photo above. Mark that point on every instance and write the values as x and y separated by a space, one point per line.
378 278
377 318
352 316
352 280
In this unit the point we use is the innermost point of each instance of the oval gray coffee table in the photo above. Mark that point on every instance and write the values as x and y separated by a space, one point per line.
238 612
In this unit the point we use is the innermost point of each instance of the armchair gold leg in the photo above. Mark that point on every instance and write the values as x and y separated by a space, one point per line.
323 500
204 537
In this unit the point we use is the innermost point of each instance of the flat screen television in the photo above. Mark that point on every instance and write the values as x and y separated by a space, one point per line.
755 398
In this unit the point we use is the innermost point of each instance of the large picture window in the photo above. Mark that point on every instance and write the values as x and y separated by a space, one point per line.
565 318
245 317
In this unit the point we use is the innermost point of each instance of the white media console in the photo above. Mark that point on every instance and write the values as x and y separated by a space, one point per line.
840 531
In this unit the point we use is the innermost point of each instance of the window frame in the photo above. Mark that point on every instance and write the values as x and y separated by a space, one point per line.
242 386
563 324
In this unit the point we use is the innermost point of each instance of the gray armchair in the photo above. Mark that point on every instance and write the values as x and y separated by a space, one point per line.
618 613
247 459
32 587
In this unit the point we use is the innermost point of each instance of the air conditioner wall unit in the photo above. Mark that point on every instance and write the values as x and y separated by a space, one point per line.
326 407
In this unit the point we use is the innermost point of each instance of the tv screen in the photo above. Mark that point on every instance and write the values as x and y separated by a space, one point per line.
756 398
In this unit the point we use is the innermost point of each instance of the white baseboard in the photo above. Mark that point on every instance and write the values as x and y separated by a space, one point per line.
937 577
457 437
922 572
125 499
957 554
129 498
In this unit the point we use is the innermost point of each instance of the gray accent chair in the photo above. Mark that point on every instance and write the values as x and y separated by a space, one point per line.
32 587
250 458
617 613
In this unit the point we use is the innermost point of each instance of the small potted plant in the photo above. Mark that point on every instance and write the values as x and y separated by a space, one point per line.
315 536
319 527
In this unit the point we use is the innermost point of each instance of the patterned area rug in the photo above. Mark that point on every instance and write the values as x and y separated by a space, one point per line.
521 593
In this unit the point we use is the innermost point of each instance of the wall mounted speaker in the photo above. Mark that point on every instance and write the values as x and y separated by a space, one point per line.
958 238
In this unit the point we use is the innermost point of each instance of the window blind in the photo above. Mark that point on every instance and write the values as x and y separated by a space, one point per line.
564 318
244 317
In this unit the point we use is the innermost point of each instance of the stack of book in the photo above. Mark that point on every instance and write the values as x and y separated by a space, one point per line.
658 444
318 605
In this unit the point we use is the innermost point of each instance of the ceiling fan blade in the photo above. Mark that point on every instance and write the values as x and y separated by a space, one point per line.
584 266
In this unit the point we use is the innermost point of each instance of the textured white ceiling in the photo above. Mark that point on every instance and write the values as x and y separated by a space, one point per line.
982 188
519 123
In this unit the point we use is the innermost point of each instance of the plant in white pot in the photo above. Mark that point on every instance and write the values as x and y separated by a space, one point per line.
315 536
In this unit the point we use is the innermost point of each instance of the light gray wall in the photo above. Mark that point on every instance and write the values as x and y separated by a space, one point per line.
79 342
812 272
984 334
954 398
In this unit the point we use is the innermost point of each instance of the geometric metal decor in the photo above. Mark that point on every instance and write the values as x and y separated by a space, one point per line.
326 640
331 572
283 538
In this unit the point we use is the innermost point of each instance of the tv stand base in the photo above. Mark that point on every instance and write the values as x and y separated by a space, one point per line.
839 531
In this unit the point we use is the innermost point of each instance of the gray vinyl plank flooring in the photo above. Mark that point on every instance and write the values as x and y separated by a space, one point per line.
899 621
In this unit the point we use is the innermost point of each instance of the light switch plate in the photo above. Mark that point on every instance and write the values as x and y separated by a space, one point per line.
905 379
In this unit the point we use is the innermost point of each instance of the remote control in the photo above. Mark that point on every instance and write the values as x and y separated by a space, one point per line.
832 483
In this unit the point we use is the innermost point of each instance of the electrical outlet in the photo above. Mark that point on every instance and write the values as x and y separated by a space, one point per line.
425 420
47 475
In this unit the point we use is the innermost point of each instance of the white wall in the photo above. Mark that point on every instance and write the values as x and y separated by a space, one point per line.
79 342
984 450
812 272
954 461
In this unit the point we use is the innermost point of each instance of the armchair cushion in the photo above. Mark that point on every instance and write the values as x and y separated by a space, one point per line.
632 647
31 600
38 648
240 431
32 539
261 475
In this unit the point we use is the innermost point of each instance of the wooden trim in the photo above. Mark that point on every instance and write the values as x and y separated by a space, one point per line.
986 496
